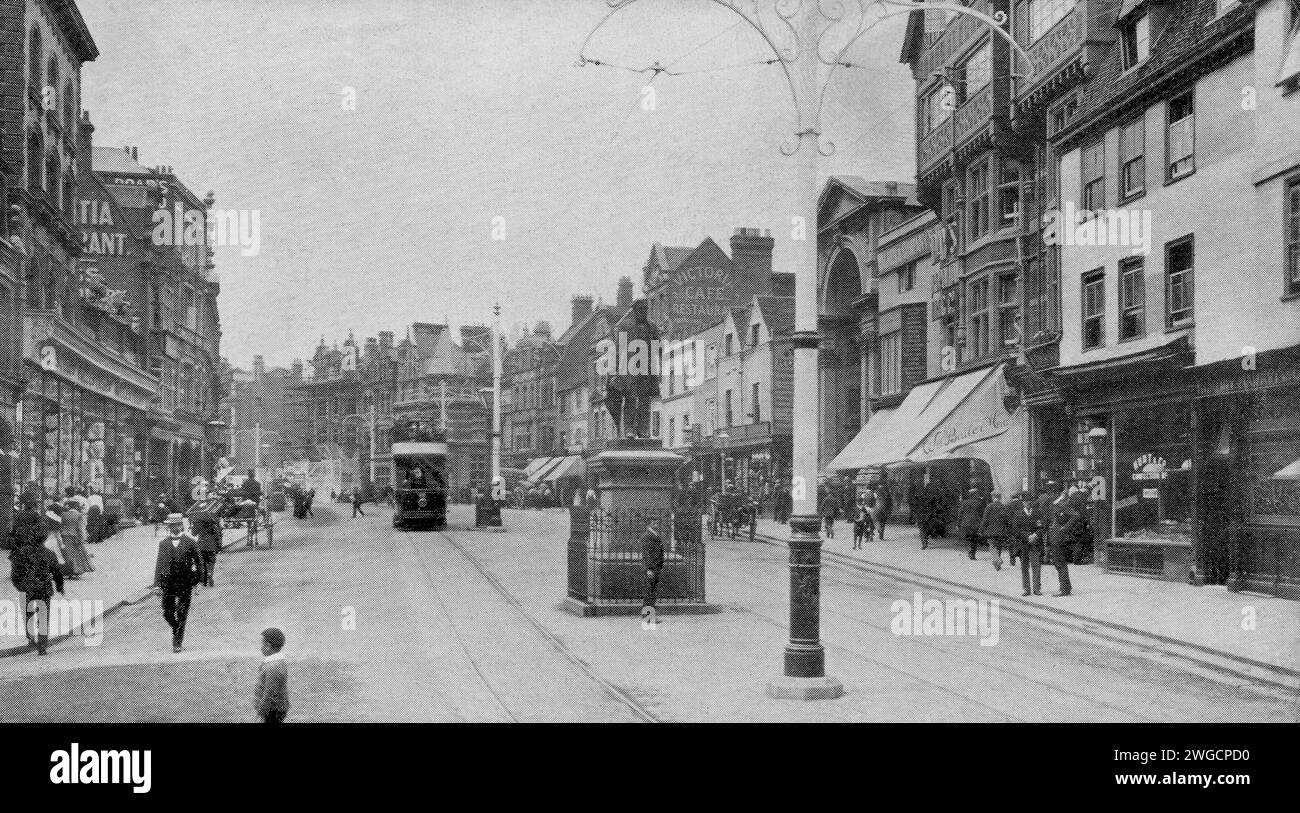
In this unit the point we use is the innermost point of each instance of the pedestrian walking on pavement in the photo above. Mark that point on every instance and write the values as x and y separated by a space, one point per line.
178 569
74 544
271 695
1027 530
356 502
311 495
921 503
995 526
863 525
884 507
207 530
95 530
970 512
652 562
830 509
34 571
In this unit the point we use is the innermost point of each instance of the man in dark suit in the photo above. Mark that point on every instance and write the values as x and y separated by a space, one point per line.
1062 521
1027 533
652 561
970 512
995 526
179 568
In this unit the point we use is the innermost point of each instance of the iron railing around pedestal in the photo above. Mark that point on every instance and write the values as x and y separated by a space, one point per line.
604 556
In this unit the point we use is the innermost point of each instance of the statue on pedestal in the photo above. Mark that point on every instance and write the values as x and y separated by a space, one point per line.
634 380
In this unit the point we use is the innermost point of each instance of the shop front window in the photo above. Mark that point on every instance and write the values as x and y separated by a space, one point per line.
1153 474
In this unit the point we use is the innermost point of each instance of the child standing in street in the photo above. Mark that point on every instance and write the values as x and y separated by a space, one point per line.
271 697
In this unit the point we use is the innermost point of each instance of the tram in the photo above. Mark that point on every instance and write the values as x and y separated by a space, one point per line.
419 477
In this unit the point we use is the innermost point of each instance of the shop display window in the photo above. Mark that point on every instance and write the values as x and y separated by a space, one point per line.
1153 474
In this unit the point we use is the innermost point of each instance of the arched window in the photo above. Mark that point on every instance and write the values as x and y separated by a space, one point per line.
34 59
52 73
52 177
69 111
35 154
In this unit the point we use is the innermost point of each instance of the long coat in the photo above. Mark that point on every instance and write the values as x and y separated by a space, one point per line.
1025 525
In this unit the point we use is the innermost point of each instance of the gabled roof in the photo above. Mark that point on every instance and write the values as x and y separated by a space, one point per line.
859 192
670 257
777 313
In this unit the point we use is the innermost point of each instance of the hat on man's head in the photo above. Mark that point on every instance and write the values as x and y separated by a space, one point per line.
175 519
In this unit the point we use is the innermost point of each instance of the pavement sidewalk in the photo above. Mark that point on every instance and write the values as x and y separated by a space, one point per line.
1243 626
123 572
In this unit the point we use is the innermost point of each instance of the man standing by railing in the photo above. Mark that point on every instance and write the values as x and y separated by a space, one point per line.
652 561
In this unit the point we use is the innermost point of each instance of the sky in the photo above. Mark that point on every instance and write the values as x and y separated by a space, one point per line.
471 121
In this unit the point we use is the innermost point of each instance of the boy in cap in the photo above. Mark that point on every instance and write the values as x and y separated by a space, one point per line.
178 569
271 697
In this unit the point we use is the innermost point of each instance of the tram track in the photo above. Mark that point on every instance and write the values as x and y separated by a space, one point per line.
610 690
860 583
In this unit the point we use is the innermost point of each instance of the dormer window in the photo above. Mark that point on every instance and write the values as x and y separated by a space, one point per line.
1137 41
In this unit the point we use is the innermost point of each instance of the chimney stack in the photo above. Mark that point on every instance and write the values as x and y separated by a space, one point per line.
259 368
625 292
751 252
297 369
581 309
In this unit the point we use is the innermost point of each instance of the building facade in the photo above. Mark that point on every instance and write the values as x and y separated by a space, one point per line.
1180 198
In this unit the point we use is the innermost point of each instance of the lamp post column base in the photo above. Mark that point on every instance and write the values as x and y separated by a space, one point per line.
810 688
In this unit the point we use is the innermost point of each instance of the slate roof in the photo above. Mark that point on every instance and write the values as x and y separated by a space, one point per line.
116 159
778 314
671 257
878 189
1191 42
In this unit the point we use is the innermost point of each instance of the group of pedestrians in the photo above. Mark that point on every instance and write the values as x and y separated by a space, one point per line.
1032 528
47 545
869 514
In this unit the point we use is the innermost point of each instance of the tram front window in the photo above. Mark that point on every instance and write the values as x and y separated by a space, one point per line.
421 474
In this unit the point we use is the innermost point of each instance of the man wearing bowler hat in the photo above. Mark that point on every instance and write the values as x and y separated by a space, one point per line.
178 569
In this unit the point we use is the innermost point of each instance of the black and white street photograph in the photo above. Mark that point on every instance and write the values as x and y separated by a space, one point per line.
651 361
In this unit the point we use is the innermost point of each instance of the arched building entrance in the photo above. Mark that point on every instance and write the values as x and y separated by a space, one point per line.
840 362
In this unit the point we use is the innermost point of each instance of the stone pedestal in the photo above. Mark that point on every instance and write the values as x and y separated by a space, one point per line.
635 481
635 475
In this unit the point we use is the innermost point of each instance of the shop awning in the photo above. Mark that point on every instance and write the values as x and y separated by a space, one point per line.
1291 472
571 466
868 447
546 468
535 464
894 439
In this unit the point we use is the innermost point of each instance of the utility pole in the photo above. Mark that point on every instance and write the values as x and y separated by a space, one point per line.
442 405
257 445
810 42
496 401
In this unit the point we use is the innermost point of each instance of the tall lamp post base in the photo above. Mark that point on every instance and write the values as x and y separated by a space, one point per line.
813 688
805 660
